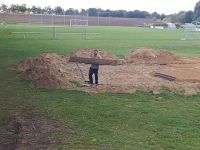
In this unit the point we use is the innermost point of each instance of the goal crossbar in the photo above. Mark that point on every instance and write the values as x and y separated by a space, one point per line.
78 23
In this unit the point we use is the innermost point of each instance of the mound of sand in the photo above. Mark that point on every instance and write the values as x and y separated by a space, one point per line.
142 54
41 61
166 57
149 56
49 71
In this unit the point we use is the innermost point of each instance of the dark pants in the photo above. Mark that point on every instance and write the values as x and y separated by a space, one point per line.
95 72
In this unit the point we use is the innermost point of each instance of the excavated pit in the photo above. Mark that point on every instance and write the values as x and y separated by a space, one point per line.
134 74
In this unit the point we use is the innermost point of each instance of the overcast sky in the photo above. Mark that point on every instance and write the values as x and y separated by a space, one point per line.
160 6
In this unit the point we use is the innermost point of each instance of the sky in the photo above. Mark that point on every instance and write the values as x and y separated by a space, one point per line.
160 6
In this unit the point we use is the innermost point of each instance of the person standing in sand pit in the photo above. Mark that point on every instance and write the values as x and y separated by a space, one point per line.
94 68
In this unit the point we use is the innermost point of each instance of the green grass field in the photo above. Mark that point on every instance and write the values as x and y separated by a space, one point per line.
102 121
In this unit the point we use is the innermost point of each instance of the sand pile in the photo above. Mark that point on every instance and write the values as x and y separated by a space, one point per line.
166 57
143 54
149 56
49 71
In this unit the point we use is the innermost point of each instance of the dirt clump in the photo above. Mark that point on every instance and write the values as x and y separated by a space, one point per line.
42 60
166 57
149 56
31 131
141 55
49 71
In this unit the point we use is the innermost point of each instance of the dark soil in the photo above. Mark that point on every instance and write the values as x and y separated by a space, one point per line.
31 131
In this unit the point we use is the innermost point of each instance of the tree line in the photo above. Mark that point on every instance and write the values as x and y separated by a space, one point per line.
181 17
187 16
14 8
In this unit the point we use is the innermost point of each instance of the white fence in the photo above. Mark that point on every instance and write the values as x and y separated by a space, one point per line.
65 20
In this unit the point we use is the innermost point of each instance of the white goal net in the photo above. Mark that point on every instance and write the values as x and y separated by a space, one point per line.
78 23
191 32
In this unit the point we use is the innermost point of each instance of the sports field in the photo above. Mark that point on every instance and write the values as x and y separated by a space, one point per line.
99 121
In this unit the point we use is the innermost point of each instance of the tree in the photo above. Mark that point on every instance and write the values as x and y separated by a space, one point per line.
118 13
4 7
70 11
178 18
137 14
104 13
33 9
83 12
48 10
156 15
93 12
107 13
37 10
145 14
189 15
130 14
22 8
59 11
14 8
162 16
197 10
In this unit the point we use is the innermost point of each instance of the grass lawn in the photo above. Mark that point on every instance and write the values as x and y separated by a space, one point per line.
102 121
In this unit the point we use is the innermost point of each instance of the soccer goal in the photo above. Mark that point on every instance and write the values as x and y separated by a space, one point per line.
3 25
47 19
191 32
103 18
78 23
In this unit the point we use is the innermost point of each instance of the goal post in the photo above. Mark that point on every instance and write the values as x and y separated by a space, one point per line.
191 32
3 25
78 23
105 15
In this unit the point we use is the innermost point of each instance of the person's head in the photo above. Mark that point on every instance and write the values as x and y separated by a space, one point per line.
95 52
